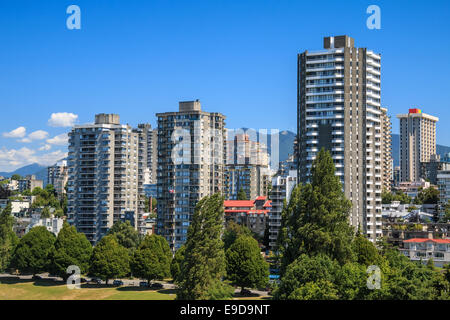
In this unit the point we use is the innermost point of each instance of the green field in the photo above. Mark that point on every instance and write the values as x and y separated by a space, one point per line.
14 289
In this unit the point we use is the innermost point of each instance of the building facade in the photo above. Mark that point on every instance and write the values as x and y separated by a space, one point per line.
443 181
58 176
191 161
282 186
250 213
419 249
339 109
105 170
417 142
430 169
387 162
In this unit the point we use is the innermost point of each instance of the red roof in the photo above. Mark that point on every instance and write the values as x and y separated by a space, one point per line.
238 203
428 240
268 204
261 198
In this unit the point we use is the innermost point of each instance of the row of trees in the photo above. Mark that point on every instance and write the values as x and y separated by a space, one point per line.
209 256
323 258
121 253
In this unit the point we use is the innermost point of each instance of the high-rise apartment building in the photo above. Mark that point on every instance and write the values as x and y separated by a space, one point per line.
339 110
247 168
105 176
150 139
191 160
57 175
387 162
417 142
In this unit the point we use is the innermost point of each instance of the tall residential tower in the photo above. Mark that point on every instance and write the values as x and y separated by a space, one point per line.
191 160
339 110
417 142
105 176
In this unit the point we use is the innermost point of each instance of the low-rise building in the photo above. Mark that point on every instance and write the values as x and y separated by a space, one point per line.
53 224
30 183
412 188
250 213
419 249
19 206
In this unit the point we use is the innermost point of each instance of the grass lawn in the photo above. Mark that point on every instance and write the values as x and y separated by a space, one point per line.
14 289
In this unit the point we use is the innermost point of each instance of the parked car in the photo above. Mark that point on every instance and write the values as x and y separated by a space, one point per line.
96 281
84 280
246 292
143 284
117 283
156 285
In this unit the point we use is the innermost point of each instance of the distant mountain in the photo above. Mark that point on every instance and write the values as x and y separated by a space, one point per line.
24 171
440 149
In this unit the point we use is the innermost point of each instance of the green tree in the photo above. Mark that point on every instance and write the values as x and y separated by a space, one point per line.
232 232
177 261
241 195
109 259
125 234
203 267
71 248
316 218
427 196
16 177
245 265
33 253
366 253
151 261
8 238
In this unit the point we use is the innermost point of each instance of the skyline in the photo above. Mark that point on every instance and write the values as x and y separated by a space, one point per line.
239 59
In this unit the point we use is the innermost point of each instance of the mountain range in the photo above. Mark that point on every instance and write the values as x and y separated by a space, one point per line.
286 147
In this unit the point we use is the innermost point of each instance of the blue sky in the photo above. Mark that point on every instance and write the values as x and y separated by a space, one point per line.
137 58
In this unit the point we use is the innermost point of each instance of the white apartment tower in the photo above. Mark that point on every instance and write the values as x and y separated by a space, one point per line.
417 142
191 161
339 110
105 176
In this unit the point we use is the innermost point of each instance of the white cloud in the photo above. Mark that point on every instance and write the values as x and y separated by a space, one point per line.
45 147
20 132
62 119
38 135
60 140
11 159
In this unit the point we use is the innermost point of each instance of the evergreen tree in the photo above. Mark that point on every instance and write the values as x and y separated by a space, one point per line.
33 253
245 265
316 218
151 261
203 267
241 195
175 266
8 238
71 248
109 259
